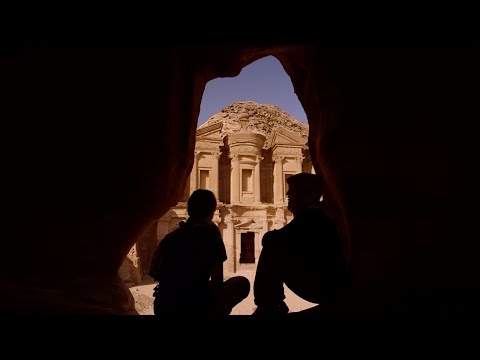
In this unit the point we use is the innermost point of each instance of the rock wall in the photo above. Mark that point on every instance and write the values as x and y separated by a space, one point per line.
391 128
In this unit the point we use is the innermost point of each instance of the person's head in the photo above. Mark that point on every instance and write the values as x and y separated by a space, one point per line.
304 190
202 204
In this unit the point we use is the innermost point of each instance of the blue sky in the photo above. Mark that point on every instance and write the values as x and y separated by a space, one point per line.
263 81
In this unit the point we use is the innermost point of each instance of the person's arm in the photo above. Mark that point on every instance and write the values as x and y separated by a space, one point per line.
217 274
219 255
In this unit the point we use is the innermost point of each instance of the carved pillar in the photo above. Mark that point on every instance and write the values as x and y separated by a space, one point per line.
235 180
299 162
193 175
279 218
278 179
262 229
216 218
162 226
229 240
215 177
264 222
257 197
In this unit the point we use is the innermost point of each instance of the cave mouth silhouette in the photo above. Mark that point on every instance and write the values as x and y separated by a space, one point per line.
96 133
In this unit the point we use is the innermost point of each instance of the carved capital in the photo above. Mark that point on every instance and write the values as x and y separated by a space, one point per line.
278 158
245 149
207 146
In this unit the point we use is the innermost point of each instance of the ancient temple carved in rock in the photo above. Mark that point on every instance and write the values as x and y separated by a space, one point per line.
243 154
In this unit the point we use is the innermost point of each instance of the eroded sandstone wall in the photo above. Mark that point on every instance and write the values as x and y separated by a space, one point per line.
391 127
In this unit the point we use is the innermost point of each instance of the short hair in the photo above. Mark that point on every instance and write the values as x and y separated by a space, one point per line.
307 183
201 203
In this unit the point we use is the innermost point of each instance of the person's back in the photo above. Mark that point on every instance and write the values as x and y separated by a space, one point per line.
188 265
188 254
310 253
306 254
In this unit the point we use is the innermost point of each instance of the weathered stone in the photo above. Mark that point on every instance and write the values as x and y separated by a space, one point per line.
252 134
100 141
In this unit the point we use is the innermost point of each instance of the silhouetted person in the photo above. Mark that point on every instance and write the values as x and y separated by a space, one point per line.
306 254
188 265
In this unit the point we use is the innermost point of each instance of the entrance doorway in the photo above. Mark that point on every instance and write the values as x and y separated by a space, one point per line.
247 248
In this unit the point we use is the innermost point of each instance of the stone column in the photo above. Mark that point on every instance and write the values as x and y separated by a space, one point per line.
229 240
162 227
235 180
279 221
257 194
262 229
216 218
215 177
264 222
193 175
278 179
298 162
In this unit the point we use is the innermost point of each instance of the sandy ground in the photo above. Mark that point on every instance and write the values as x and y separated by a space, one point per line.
144 299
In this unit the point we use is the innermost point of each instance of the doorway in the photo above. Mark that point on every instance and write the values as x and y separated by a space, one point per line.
247 248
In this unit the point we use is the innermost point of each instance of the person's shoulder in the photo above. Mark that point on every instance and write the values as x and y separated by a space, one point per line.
270 236
205 228
177 231
208 226
314 215
179 228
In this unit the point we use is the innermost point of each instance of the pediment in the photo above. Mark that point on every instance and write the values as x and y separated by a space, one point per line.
244 223
211 132
281 136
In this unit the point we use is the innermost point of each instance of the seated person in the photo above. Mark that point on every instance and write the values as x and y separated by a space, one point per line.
306 254
188 265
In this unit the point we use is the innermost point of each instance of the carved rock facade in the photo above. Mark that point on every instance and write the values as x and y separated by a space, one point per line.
243 154
100 140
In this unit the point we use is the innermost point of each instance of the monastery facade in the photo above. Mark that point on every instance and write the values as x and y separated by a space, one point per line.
244 154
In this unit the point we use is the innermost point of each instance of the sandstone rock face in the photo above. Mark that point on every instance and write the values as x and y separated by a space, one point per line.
100 141
262 119
250 133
